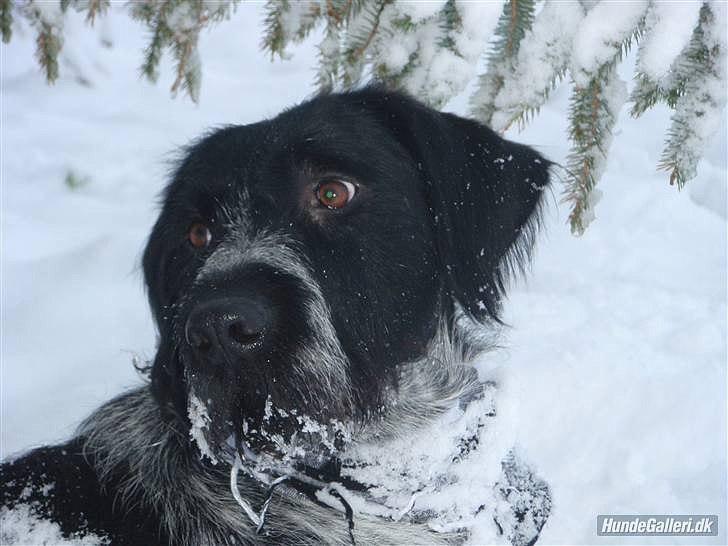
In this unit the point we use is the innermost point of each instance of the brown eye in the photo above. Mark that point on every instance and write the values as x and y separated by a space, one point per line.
199 235
335 194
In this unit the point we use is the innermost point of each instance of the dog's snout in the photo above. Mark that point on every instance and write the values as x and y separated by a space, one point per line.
227 327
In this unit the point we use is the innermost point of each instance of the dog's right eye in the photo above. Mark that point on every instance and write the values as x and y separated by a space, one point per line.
199 235
335 194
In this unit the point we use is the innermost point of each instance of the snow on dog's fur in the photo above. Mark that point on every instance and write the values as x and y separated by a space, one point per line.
321 282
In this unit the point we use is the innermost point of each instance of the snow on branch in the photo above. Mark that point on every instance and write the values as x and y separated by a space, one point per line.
542 61
432 49
514 23
176 25
47 20
288 22
701 99
605 34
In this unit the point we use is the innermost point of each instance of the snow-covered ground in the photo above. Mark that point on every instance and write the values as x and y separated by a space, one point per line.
614 365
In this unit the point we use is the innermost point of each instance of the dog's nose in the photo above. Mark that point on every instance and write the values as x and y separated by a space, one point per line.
230 326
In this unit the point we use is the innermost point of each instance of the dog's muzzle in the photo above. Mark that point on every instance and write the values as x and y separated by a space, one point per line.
228 330
262 361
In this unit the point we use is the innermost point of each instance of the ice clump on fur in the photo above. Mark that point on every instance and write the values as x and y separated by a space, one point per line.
21 525
199 420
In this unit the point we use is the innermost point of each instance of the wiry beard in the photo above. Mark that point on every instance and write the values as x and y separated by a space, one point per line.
289 437
285 434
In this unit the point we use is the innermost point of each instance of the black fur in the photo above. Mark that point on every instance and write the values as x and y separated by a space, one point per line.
445 211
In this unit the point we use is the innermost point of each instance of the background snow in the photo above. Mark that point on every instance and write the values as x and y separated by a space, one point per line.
614 371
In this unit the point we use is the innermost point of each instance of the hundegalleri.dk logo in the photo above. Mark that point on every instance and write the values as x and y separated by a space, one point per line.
702 525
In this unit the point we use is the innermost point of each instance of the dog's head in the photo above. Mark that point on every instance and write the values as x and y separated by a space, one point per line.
298 263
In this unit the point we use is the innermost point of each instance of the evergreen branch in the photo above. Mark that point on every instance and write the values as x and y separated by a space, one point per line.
48 46
277 35
153 52
49 40
516 19
328 53
647 92
96 7
540 65
451 23
359 51
176 24
525 112
274 39
592 114
185 51
365 18
154 15
699 106
6 20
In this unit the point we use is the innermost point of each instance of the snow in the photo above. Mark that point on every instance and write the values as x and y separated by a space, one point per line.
668 28
601 34
200 420
445 483
543 55
20 525
437 73
419 11
697 112
48 13
612 375
479 20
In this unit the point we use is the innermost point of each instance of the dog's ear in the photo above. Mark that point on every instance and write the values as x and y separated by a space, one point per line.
484 194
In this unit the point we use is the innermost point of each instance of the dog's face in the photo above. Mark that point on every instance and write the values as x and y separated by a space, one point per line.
299 262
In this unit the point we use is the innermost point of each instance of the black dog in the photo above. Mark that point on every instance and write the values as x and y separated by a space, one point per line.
313 278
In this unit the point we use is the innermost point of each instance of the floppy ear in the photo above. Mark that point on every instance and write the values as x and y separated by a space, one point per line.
484 194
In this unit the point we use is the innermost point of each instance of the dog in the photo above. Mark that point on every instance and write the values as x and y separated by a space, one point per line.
319 280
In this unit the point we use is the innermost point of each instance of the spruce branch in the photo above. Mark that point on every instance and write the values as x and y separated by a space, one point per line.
153 51
450 25
540 65
595 104
48 46
288 21
48 24
327 74
660 75
593 112
274 38
362 27
392 28
516 19
701 74
96 7
6 20
338 13
176 25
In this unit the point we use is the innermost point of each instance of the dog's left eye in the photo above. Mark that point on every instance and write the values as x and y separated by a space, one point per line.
199 235
335 194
